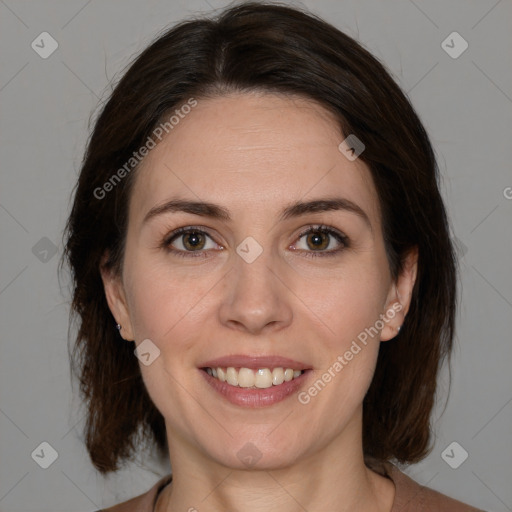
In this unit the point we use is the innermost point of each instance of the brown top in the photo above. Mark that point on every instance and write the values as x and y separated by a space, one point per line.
409 497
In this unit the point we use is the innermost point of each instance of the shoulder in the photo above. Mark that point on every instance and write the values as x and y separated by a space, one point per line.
142 503
411 496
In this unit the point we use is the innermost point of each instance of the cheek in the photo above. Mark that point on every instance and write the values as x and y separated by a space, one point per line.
348 302
163 300
349 356
350 307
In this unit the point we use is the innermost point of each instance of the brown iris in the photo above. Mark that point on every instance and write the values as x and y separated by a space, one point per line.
318 240
193 240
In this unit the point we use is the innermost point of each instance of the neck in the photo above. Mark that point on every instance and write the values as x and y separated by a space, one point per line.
334 478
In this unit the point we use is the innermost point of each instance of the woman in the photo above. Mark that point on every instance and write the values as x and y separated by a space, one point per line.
258 218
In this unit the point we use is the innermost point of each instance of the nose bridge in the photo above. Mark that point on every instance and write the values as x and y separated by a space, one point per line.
255 296
254 267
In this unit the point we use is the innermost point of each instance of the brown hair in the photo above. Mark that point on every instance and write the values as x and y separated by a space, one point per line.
274 48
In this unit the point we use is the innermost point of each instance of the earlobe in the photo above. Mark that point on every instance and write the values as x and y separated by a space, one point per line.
116 299
399 298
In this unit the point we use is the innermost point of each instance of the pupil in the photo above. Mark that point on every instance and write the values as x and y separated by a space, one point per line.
193 240
318 240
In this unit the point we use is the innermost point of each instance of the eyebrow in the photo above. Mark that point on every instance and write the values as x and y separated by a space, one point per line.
297 209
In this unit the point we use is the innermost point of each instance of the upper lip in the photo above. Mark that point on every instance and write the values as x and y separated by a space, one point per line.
254 362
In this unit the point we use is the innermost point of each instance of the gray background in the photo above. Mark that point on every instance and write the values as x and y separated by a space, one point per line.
466 105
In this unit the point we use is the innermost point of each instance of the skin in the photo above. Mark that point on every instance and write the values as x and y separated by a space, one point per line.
254 154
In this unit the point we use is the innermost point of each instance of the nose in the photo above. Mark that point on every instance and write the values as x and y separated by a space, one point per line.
255 297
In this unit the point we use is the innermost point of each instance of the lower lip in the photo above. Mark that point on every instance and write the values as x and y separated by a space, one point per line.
255 398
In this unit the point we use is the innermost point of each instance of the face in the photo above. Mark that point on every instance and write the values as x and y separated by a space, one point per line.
285 268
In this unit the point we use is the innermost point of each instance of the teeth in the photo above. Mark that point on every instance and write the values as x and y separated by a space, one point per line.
263 378
232 376
277 376
248 378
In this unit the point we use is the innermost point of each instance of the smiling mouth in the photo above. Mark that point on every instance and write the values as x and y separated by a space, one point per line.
257 379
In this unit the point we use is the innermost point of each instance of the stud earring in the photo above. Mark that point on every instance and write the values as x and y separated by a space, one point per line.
118 327
398 329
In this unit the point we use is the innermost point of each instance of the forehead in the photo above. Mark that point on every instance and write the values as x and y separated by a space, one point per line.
252 150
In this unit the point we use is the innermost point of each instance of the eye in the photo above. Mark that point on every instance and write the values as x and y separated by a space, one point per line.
192 241
322 240
189 240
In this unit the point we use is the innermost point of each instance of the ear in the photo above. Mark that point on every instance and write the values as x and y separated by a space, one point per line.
116 299
399 296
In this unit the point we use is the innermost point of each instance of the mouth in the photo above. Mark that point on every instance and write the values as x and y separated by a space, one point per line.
254 381
262 378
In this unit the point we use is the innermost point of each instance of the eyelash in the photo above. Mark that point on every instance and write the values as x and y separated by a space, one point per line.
341 238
